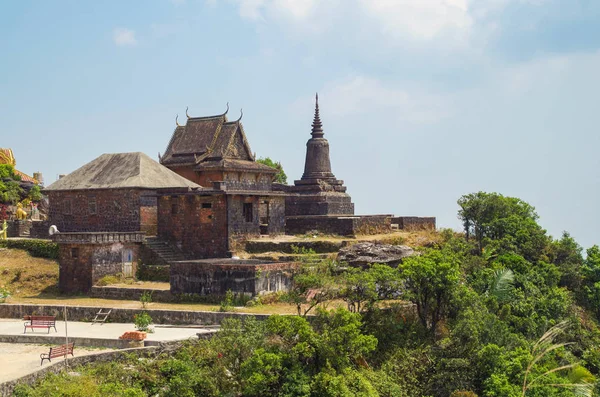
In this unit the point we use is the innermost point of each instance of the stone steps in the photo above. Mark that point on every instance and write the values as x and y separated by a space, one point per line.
163 250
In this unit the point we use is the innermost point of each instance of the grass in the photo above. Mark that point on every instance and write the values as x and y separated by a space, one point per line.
24 275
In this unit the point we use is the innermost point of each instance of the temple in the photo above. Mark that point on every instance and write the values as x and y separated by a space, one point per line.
318 192
7 157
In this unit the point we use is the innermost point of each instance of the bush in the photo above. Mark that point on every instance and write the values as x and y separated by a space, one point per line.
38 248
4 293
142 321
227 304
153 273
108 280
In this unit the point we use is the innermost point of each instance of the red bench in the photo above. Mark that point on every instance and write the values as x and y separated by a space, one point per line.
57 351
39 322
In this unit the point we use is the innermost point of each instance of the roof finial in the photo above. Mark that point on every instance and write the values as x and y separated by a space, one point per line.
227 109
241 114
177 122
186 113
317 126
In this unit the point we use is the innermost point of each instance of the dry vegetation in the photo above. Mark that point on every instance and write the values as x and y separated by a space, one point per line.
26 276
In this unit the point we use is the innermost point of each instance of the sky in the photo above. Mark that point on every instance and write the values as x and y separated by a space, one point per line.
422 101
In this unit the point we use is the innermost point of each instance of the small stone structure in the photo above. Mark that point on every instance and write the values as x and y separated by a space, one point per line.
84 258
242 276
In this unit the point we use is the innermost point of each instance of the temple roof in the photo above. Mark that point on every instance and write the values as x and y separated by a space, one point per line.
121 170
207 138
7 157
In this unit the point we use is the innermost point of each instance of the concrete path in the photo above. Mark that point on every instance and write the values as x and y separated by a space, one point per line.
102 331
21 359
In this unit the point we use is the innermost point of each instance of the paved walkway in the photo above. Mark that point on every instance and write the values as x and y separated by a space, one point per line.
102 331
20 359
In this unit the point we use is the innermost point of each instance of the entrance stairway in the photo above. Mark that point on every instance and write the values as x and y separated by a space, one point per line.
163 251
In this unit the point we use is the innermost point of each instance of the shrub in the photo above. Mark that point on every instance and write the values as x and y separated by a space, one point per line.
146 299
4 293
37 248
153 273
108 280
142 321
227 304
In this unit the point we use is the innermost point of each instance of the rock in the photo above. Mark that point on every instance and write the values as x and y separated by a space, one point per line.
363 254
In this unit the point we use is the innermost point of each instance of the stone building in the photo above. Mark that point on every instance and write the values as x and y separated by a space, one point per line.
115 192
237 201
103 210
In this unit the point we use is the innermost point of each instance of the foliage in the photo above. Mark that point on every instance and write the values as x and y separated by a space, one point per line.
109 279
142 321
10 192
4 293
152 273
227 304
312 282
37 248
280 177
35 193
461 319
431 279
146 299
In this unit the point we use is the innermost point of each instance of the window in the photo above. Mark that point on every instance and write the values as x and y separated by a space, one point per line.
247 212
206 205
174 208
92 208
67 207
74 253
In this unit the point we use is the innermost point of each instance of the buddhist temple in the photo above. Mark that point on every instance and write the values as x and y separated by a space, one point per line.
7 157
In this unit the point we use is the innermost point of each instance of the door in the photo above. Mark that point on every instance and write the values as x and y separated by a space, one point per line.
127 255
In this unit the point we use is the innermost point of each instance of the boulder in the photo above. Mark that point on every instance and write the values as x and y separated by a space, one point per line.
364 254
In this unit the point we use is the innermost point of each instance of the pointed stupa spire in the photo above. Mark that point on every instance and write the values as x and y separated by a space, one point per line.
317 126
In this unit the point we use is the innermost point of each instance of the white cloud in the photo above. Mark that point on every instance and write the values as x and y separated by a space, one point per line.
420 19
359 95
124 37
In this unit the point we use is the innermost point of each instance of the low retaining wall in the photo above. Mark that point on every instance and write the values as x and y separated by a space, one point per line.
6 388
118 315
133 294
79 341
341 225
414 222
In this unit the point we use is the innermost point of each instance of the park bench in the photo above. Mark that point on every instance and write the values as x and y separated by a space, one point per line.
57 351
39 322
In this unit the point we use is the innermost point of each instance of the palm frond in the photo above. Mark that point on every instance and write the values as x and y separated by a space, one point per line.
502 284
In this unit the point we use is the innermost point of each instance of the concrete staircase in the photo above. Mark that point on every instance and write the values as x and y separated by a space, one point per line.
163 251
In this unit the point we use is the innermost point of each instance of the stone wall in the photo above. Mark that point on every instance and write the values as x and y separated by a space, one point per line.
118 210
82 264
321 203
120 315
216 277
238 225
17 228
414 222
133 294
39 229
339 225
196 224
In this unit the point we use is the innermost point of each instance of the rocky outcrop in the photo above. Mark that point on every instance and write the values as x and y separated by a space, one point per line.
364 254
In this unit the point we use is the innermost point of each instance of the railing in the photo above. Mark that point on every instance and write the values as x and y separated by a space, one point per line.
99 237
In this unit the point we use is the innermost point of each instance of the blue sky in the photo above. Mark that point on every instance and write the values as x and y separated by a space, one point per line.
422 100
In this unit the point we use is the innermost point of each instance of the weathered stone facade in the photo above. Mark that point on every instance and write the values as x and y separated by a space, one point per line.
216 277
84 258
203 224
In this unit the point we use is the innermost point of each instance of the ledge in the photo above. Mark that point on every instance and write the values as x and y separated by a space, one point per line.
99 237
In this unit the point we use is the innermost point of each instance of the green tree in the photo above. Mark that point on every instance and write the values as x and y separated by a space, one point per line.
35 194
504 224
431 279
280 177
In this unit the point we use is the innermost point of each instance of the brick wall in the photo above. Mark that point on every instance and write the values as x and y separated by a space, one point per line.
17 228
187 222
118 210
